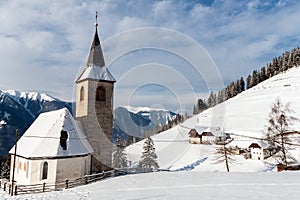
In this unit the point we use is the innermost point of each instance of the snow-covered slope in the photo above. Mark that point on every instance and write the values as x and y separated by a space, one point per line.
181 186
246 114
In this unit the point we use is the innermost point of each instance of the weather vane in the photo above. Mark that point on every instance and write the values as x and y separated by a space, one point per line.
96 24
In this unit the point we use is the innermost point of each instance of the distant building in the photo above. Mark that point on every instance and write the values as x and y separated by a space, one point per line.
260 150
194 137
205 135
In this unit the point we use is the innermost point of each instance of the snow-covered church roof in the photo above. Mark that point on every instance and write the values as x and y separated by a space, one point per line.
43 138
95 68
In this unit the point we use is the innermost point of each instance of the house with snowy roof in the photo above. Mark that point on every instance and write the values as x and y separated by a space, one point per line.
205 135
56 146
260 150
52 149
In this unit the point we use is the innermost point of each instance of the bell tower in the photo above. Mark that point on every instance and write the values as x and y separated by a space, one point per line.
94 105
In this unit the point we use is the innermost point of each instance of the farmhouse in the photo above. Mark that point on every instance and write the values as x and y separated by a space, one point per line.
194 137
205 135
260 150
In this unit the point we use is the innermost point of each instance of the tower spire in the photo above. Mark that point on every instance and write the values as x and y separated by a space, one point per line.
96 23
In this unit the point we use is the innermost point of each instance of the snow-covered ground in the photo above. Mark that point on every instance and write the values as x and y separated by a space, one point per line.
193 172
245 115
183 185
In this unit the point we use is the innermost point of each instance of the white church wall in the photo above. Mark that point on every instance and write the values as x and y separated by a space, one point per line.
72 167
29 172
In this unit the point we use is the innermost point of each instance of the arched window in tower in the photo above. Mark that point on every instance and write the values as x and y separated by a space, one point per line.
81 93
100 94
45 171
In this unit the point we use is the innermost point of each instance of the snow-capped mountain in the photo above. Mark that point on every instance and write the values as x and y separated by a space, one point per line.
136 122
36 102
19 109
243 115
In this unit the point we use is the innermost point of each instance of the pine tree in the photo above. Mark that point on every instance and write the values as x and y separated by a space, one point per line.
119 156
201 105
195 110
276 65
262 74
5 167
148 159
279 123
242 84
255 78
296 56
212 100
270 71
220 97
249 82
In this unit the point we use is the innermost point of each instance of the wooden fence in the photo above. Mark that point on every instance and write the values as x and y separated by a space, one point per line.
68 183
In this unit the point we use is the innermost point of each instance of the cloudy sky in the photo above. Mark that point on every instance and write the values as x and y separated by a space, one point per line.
192 47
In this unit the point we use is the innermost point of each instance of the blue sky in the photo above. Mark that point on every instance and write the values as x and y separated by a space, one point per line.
45 43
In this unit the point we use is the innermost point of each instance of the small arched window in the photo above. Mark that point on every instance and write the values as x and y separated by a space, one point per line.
45 171
100 94
81 93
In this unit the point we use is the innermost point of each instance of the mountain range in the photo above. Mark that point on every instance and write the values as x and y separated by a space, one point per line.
19 109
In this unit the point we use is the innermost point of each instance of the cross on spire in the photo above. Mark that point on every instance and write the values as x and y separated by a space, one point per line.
96 23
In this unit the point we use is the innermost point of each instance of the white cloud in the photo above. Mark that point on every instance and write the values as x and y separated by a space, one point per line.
43 43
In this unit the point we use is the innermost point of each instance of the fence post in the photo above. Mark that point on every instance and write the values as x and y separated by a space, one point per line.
16 187
86 179
67 183
44 185
4 187
9 189
0 184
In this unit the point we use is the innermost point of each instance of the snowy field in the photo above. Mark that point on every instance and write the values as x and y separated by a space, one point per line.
183 185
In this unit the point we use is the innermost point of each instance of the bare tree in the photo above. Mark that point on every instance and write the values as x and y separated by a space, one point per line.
279 124
223 154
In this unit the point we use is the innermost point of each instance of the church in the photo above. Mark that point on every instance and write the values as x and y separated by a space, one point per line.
57 146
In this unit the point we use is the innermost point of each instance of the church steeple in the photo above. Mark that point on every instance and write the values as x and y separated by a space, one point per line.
96 55
95 67
94 105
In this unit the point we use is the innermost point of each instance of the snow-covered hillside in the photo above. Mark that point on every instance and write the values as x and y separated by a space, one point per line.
246 115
